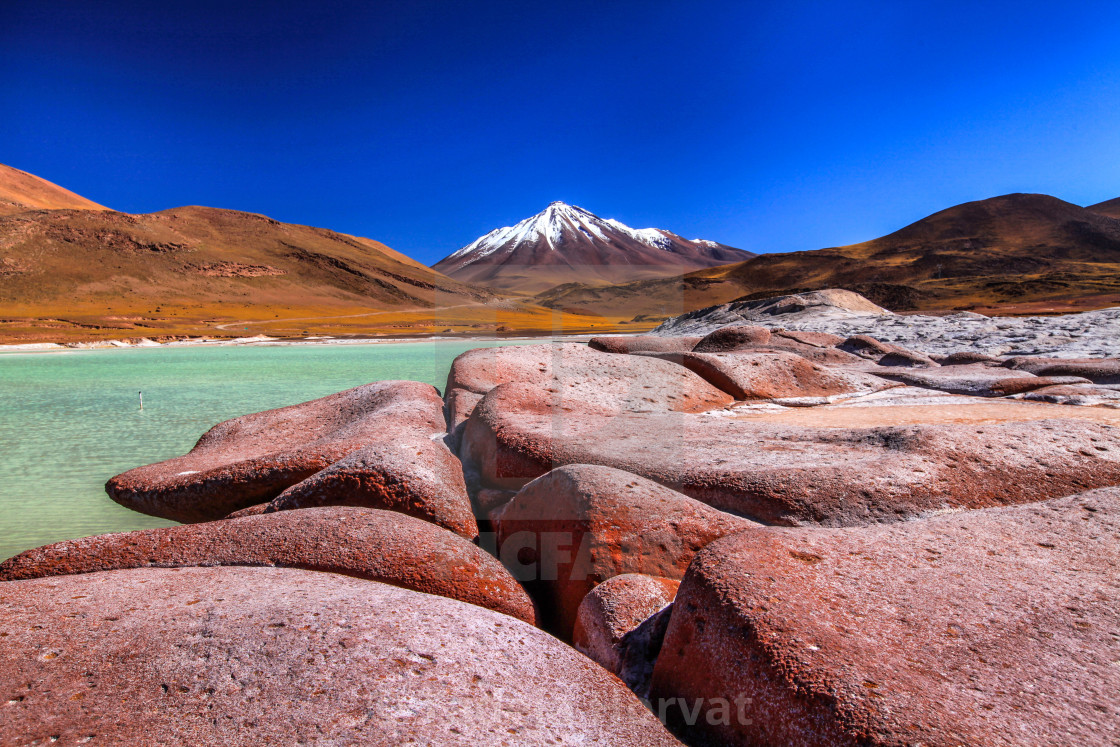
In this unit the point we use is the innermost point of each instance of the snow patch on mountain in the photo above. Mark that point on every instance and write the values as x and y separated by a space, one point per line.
650 236
551 224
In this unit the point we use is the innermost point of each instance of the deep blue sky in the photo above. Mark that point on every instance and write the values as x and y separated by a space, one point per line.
772 126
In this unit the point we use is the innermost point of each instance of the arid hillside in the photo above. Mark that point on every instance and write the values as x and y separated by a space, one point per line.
92 273
1109 207
20 191
1019 253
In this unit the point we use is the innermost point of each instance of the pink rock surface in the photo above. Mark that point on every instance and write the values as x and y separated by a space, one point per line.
1096 370
241 656
736 337
615 608
575 376
789 474
816 339
360 542
975 379
965 357
490 500
994 627
754 375
459 405
579 525
642 344
251 459
885 353
749 338
907 359
1083 395
413 475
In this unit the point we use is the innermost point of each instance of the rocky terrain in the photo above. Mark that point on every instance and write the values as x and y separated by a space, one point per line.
775 529
1090 334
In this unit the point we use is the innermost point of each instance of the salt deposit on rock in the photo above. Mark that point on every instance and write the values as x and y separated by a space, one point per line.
1091 334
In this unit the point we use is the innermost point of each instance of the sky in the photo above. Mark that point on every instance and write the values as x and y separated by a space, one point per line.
770 126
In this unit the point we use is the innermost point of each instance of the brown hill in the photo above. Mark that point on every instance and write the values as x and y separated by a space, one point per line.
564 243
20 191
1020 252
1110 208
69 275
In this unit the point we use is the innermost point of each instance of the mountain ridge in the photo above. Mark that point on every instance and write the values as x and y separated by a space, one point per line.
1110 208
21 191
1031 251
565 243
78 274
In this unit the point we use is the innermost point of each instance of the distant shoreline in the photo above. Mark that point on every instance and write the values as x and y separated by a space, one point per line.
266 341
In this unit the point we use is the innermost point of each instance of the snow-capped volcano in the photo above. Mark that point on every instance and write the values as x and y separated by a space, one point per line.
564 243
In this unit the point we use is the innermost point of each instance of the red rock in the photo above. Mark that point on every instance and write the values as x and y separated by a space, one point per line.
965 357
784 473
412 475
615 609
459 405
579 525
1084 395
566 378
251 459
746 338
229 656
776 376
973 379
981 627
255 510
823 356
642 344
907 359
360 542
885 353
1096 370
575 374
816 339
730 339
868 347
490 500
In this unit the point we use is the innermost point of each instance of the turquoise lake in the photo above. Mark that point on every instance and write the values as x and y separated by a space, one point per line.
71 420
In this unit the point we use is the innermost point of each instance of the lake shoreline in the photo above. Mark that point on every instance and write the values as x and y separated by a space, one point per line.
266 341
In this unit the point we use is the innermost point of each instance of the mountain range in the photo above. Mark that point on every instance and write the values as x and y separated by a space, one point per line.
1018 253
564 244
71 269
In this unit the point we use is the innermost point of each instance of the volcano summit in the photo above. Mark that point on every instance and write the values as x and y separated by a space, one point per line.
564 244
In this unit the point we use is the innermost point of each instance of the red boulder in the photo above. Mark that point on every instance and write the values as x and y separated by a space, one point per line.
226 656
360 542
980 627
252 459
579 525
